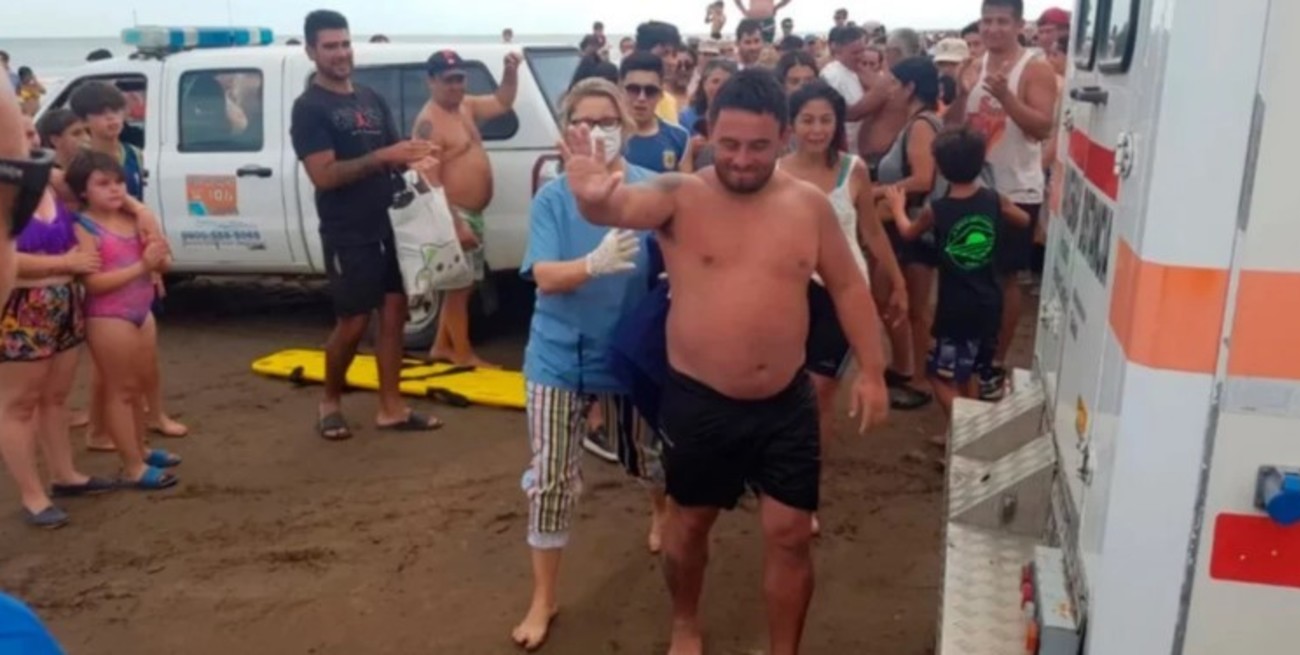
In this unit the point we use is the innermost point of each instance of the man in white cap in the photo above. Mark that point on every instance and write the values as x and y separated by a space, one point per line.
949 56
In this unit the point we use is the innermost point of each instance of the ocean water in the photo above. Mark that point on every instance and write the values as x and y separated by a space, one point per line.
53 59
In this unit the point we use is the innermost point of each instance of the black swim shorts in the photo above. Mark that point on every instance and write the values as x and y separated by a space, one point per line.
827 349
361 275
1016 244
714 446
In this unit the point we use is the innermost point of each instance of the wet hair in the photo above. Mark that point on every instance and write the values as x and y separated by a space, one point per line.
594 87
641 61
791 43
597 26
594 66
959 154
1017 7
25 72
652 34
95 98
845 35
99 54
909 41
756 91
700 101
819 90
793 59
749 26
973 28
54 123
842 12
923 75
87 163
320 20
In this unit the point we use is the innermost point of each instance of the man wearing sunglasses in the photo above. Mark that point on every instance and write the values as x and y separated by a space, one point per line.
450 121
656 145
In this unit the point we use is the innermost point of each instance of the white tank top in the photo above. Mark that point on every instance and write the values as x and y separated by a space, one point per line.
1015 159
847 215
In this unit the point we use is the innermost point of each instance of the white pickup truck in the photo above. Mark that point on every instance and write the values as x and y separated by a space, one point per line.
241 203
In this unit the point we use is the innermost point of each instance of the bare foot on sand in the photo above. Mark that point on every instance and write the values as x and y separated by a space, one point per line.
531 633
168 427
816 526
80 419
687 639
440 356
655 542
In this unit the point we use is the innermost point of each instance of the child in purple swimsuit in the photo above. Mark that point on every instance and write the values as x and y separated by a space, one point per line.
120 326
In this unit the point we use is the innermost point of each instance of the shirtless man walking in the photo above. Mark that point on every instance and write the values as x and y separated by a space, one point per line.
1013 105
450 121
741 242
763 11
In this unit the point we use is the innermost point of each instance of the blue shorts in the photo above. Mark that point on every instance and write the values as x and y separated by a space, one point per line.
957 359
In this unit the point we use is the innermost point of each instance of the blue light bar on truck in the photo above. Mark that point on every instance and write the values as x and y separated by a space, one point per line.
175 39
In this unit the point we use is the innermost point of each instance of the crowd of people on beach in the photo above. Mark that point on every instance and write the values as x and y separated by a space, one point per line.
743 222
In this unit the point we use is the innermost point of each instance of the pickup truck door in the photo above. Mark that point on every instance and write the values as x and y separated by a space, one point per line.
221 200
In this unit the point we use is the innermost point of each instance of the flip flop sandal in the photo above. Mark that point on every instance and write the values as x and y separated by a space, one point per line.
154 479
49 518
333 427
162 459
446 397
92 487
415 422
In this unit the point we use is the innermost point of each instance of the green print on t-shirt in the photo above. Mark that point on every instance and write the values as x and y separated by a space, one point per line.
970 243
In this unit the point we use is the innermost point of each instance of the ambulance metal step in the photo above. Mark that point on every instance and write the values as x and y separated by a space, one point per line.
999 492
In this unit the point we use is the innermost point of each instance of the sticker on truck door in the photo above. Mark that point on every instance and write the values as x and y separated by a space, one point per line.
212 195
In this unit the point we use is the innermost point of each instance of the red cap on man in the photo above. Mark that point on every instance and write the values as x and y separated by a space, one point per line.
1055 16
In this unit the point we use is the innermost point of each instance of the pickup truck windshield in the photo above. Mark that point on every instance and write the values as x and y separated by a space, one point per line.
553 69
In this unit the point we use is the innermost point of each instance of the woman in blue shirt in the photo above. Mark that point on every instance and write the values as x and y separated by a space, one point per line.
587 278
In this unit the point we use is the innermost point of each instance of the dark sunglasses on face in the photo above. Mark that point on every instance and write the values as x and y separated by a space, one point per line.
646 90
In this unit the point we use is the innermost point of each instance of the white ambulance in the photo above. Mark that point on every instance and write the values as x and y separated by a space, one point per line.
240 203
1148 468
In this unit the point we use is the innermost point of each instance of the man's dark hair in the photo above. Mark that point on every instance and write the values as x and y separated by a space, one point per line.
597 26
321 20
845 35
959 153
792 59
842 12
594 66
973 28
4 56
923 76
54 123
819 90
95 98
652 34
753 90
641 61
87 163
791 43
99 54
1017 7
749 26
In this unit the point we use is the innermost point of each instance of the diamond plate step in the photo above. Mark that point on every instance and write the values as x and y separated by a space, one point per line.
1012 493
981 612
991 431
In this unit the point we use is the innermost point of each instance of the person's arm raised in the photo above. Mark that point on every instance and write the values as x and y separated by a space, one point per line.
601 195
486 108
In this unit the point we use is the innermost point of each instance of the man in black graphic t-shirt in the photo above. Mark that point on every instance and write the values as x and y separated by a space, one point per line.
345 136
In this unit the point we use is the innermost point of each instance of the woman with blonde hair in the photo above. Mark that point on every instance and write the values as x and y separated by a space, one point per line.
587 277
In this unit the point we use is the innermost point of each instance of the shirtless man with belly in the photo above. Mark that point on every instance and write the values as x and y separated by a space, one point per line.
884 120
450 120
763 11
741 241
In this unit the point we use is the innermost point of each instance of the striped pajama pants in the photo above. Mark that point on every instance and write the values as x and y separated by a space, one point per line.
557 424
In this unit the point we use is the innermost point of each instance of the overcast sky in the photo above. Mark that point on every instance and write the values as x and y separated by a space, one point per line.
33 18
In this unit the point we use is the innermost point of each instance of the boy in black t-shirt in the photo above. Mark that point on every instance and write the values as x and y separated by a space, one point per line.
967 224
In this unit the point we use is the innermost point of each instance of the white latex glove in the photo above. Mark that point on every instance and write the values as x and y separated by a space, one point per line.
616 253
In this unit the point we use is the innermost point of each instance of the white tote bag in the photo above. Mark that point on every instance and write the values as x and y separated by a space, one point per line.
428 251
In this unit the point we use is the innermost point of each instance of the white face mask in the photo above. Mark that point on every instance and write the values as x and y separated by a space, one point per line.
613 139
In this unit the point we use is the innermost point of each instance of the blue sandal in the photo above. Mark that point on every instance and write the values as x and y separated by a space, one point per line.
154 479
162 459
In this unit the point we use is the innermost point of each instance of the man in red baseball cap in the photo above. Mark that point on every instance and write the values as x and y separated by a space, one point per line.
1052 25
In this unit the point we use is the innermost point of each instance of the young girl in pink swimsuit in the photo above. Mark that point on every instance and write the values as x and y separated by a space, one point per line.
120 326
